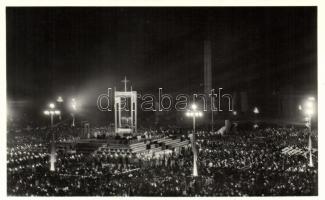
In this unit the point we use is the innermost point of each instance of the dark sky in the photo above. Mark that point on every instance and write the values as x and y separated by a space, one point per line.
82 51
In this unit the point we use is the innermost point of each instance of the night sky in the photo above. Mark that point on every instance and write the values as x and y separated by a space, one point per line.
83 51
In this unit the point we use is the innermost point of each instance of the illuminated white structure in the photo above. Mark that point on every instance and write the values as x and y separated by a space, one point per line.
125 108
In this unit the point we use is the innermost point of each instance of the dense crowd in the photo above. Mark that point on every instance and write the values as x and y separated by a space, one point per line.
248 163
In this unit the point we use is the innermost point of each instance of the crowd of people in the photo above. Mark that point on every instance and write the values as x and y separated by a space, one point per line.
247 163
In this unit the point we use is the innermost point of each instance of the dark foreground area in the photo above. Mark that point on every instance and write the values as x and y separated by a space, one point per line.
260 162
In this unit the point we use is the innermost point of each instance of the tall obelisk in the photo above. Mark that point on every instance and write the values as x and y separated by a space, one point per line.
208 75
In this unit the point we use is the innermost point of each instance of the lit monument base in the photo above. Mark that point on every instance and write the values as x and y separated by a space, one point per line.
52 169
52 162
195 173
310 164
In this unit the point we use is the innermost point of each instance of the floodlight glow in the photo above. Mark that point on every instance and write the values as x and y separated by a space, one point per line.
60 99
74 106
309 112
51 105
311 98
234 113
300 107
57 112
309 104
194 106
46 112
256 111
187 114
200 114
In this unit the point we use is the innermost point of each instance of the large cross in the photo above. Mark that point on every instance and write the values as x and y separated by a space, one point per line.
125 82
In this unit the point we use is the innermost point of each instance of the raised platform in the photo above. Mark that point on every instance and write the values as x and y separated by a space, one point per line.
147 146
123 146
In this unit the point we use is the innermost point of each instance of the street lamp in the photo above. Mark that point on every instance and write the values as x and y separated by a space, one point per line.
59 99
309 109
60 102
194 106
73 109
256 112
52 112
194 113
52 105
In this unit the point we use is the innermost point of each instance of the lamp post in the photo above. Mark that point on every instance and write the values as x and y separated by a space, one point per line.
194 113
256 112
309 111
52 112
60 101
73 109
